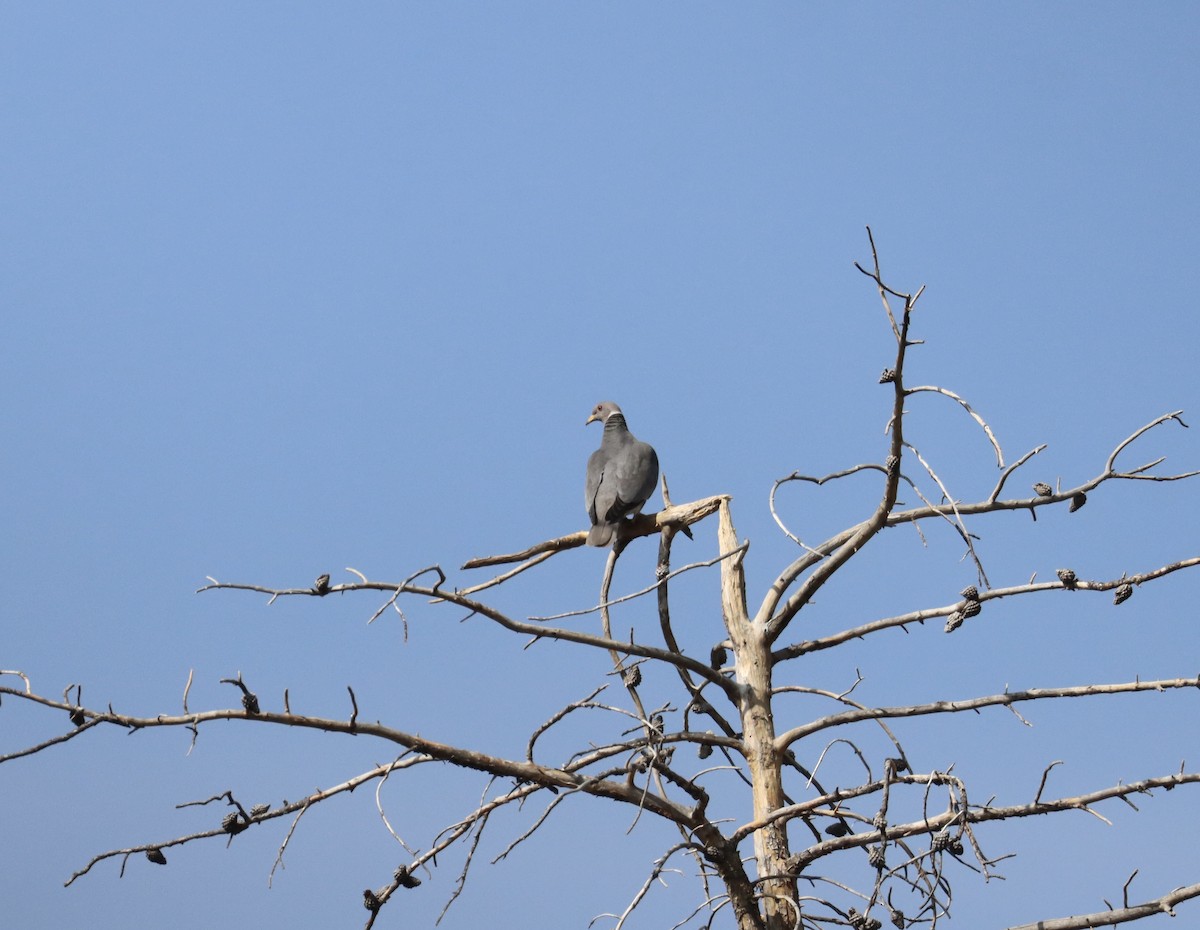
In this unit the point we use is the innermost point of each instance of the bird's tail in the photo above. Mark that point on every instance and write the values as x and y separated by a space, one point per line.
601 534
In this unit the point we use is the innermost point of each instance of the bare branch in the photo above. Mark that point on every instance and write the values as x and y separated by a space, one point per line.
920 616
1164 905
776 620
829 555
501 578
21 675
521 770
517 626
573 706
46 744
282 811
1110 465
284 845
1042 784
1012 468
547 548
677 515
950 817
660 865
987 430
583 612
957 521
955 707
815 555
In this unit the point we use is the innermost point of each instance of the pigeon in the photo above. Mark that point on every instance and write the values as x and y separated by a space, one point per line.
621 475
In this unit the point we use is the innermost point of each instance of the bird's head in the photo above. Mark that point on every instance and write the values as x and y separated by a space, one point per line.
602 411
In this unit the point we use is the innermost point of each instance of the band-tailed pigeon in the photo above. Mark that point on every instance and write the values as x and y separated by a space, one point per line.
621 475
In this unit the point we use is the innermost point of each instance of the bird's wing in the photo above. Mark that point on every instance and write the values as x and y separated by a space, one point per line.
632 475
595 477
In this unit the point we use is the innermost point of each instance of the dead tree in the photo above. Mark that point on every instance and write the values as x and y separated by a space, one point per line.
784 849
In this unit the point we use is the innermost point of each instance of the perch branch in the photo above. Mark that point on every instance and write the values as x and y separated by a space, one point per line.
677 515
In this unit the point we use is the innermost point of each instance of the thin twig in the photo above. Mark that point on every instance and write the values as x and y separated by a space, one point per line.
644 591
987 430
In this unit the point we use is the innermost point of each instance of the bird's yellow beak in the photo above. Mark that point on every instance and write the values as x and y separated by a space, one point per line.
592 419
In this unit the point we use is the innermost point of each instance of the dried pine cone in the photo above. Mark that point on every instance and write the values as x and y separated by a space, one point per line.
704 751
632 676
876 858
233 824
953 622
1041 489
970 592
371 901
837 829
939 840
259 809
321 585
717 657
970 609
1067 577
898 919
888 376
156 856
77 717
250 702
1077 501
1123 593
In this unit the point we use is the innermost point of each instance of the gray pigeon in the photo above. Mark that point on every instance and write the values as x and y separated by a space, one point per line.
621 475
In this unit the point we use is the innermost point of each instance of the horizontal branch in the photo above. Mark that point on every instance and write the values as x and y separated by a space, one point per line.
537 631
1164 905
933 823
467 758
931 613
646 524
283 810
1006 699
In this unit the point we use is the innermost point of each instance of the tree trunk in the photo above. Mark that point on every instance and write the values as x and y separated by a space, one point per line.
752 655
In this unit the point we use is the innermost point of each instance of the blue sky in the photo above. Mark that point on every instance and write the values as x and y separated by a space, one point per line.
290 288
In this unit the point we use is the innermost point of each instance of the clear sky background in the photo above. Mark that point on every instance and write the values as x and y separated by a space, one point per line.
294 287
